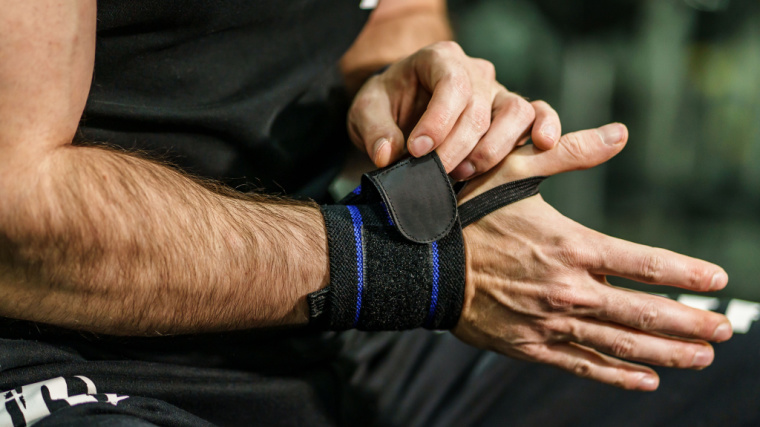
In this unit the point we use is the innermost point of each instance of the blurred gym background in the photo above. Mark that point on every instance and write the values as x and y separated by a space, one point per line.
684 75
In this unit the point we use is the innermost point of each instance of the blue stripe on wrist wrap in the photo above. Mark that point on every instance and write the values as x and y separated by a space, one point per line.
356 217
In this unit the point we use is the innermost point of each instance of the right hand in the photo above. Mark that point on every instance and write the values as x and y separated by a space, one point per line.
444 100
537 289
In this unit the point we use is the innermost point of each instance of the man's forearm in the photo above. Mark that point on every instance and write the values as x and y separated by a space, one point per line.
107 242
395 30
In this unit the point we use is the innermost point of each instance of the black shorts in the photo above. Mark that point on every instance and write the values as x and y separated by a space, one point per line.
419 377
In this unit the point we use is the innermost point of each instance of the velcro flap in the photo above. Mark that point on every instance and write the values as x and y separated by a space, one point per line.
418 196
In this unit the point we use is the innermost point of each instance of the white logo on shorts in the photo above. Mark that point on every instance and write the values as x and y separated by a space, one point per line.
25 405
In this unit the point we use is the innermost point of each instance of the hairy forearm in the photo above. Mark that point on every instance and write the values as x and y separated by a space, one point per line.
395 30
104 241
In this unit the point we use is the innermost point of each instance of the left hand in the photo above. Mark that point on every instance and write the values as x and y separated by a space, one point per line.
537 288
446 101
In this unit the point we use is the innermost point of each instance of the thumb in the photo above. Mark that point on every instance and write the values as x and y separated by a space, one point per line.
575 151
372 126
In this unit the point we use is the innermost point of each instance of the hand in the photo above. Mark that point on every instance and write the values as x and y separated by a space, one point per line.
444 100
537 289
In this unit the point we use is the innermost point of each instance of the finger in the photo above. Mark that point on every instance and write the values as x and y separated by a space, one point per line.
442 72
658 314
617 257
630 344
547 127
575 151
587 363
372 126
466 134
511 122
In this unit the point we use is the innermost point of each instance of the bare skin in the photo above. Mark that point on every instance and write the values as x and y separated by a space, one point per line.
434 96
441 99
537 287
104 241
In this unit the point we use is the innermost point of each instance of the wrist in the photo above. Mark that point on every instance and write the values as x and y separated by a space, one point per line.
396 249
309 262
396 255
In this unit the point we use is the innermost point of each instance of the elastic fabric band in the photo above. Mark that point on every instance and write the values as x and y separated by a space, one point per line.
498 197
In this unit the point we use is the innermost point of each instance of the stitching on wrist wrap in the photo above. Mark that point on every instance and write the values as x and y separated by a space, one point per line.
396 253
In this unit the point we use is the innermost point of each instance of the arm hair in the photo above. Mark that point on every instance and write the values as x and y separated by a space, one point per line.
105 241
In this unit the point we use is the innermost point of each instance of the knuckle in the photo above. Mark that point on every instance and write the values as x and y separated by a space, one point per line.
524 110
480 117
623 346
534 351
648 316
575 147
559 298
356 125
448 46
436 126
700 278
486 67
558 328
435 53
626 382
678 358
701 327
519 167
460 83
487 155
565 251
582 368
575 252
540 103
652 268
361 103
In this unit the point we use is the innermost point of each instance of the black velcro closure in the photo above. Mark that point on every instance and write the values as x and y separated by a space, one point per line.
398 282
419 197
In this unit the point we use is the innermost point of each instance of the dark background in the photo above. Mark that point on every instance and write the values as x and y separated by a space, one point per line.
684 75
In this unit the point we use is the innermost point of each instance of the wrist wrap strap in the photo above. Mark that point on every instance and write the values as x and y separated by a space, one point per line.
396 249
498 197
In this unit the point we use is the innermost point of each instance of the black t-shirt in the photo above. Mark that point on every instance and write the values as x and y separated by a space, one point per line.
243 91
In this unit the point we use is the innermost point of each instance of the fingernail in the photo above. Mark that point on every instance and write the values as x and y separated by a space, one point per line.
701 359
648 382
719 281
465 170
379 144
611 134
549 131
722 332
421 145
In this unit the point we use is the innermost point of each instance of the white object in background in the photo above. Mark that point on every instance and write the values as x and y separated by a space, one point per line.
702 303
741 314
368 4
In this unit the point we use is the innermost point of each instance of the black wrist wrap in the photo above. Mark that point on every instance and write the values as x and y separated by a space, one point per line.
396 249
